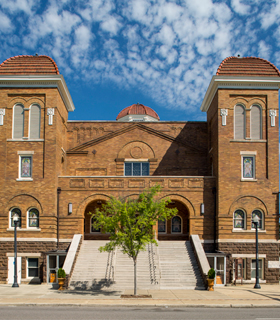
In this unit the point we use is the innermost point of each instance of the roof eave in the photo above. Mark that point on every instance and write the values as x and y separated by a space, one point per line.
39 81
229 82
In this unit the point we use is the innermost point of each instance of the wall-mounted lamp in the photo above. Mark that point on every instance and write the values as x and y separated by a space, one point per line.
69 208
202 209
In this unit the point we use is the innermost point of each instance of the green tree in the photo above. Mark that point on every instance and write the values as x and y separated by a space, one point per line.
130 223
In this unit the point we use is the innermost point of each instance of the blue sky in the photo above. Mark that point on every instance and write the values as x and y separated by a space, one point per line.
160 53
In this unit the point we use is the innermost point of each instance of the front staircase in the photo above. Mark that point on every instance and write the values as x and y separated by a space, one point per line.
171 265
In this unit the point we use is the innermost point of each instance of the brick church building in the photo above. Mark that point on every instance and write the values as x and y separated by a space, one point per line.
219 174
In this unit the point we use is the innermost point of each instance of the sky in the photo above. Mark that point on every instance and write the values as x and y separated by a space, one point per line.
160 53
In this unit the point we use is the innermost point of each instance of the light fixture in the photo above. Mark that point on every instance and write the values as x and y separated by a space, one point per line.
70 207
15 217
202 209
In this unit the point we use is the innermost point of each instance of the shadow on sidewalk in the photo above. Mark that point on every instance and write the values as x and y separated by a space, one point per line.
101 287
270 296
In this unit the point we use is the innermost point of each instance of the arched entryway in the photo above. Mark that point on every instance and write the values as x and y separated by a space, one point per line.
89 232
176 228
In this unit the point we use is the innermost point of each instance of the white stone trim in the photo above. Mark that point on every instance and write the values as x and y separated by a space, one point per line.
35 239
247 255
229 82
246 240
248 153
25 139
224 113
249 230
241 240
24 229
30 255
40 81
27 153
2 113
272 114
50 113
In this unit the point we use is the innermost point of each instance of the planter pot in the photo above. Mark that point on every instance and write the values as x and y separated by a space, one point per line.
210 284
61 283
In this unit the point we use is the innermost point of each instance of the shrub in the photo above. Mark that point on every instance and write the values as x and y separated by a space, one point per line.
211 274
61 273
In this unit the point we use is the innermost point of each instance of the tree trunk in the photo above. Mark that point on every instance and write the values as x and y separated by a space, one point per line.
135 276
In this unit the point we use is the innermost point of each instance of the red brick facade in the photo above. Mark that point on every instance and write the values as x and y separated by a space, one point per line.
194 162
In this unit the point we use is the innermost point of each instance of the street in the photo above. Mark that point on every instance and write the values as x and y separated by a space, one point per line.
134 313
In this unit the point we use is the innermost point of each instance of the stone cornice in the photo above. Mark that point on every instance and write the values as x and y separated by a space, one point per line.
42 81
227 82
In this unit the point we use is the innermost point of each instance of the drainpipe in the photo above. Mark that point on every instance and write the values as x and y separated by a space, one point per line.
214 192
58 193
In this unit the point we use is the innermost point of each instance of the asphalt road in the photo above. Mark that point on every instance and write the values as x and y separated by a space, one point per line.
132 313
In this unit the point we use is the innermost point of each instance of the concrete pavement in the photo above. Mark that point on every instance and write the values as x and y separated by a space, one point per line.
230 296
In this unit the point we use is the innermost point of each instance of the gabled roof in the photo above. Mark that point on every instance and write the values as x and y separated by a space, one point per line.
137 108
247 66
29 65
81 148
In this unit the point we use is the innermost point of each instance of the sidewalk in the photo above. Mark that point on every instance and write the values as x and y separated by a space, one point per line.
230 296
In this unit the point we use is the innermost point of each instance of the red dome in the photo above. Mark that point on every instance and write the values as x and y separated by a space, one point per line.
29 65
137 109
248 66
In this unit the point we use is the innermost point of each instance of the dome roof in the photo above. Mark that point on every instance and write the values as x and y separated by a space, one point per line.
137 109
28 65
248 66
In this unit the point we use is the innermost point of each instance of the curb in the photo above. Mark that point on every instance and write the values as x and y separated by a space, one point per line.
140 305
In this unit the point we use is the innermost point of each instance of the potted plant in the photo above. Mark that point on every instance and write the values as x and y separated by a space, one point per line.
211 277
61 275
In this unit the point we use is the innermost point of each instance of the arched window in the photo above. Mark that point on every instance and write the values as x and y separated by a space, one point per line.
162 226
256 122
239 122
176 226
13 212
239 219
34 122
33 218
18 125
92 229
258 213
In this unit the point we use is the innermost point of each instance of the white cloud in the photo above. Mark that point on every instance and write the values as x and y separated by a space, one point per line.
264 50
168 49
239 7
18 5
111 24
166 35
5 23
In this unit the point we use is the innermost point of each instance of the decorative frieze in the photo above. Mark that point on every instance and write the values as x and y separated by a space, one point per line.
116 183
96 183
136 183
195 183
77 183
157 182
176 183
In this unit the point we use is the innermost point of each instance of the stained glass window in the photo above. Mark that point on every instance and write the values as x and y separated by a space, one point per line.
259 214
17 212
137 168
239 219
26 167
162 226
248 167
176 224
33 218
